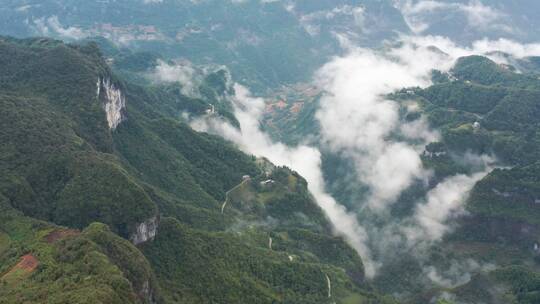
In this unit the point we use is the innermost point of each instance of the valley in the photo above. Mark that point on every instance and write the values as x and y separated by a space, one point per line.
254 151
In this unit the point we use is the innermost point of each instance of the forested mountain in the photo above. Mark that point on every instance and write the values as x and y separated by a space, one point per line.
480 108
490 108
184 217
270 151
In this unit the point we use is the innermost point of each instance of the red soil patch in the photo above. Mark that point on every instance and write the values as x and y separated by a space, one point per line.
27 264
59 234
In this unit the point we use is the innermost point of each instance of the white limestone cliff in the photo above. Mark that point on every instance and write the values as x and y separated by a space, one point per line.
114 102
147 293
145 231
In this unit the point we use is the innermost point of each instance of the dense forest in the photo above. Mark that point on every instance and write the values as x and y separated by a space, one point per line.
142 213
298 151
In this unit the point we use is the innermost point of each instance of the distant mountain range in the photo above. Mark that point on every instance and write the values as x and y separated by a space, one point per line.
266 43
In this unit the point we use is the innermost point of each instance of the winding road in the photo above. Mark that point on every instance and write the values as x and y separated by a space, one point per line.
329 286
227 193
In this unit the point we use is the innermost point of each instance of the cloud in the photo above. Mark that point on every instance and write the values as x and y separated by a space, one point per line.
444 202
52 26
484 47
356 85
23 8
312 22
419 14
480 15
181 72
189 76
457 273
359 121
305 160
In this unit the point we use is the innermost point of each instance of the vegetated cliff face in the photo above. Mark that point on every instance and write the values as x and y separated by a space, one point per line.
71 158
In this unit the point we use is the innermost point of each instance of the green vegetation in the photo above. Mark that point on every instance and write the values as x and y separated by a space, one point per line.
490 109
524 284
67 266
62 165
509 193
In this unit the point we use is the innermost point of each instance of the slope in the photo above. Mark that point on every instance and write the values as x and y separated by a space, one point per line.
81 146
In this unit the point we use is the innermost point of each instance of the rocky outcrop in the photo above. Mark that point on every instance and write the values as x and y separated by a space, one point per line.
114 102
145 231
147 293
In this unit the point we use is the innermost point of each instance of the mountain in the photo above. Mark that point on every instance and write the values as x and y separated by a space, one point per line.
108 197
494 19
490 108
264 43
267 43
480 108
412 126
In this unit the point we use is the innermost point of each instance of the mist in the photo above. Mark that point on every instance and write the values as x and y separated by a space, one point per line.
359 121
181 72
305 160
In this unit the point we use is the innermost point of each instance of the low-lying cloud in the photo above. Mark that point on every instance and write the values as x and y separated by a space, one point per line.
51 26
432 219
311 22
357 119
181 72
419 14
305 160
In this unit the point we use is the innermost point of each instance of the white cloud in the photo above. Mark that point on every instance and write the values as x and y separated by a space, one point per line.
311 22
458 273
52 26
23 8
480 15
303 159
357 119
444 202
418 14
183 73
484 47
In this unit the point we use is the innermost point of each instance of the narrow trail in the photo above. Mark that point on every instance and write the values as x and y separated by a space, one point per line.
329 285
270 243
223 206
227 193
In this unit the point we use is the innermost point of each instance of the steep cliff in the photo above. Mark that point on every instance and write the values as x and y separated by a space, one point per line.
114 102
